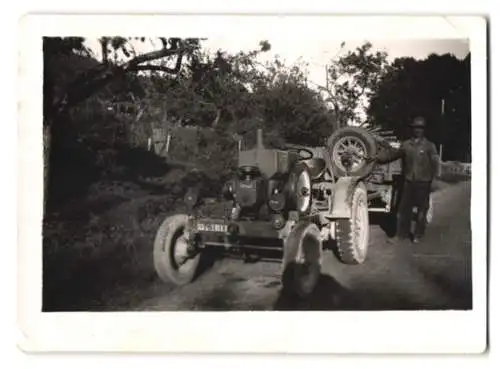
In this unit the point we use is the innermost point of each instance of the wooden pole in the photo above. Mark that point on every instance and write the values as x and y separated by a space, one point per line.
441 143
168 142
327 80
442 129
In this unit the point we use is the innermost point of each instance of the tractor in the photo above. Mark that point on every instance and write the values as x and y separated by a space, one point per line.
290 205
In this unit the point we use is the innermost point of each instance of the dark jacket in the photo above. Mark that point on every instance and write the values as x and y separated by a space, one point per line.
420 159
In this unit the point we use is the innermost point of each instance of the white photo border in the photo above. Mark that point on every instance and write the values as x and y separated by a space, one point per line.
243 332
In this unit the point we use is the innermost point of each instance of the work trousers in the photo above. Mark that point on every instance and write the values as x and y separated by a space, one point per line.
415 194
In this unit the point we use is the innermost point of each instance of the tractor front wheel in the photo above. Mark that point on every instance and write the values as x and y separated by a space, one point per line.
175 260
302 260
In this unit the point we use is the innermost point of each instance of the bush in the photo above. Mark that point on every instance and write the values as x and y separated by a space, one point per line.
209 151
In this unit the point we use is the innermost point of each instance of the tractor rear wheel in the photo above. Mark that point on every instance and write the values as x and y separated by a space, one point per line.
352 234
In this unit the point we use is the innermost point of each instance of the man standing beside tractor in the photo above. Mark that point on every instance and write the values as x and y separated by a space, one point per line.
420 167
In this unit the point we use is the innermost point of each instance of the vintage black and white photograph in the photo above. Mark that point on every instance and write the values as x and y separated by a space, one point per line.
257 173
165 155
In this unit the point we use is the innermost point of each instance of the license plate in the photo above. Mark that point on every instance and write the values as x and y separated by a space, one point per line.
211 227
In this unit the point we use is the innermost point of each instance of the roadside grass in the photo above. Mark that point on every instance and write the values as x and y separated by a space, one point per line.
98 230
102 240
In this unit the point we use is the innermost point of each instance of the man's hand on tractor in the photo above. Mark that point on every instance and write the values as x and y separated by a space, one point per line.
347 156
370 159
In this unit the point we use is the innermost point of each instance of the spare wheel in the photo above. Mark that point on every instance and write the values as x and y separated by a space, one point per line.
355 140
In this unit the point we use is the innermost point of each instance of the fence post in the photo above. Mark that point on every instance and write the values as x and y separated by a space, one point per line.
440 166
168 142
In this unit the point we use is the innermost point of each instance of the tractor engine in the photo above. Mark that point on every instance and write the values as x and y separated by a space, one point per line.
249 189
268 185
260 198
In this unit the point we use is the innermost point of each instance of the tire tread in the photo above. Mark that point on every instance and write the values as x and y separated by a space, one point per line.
344 228
162 257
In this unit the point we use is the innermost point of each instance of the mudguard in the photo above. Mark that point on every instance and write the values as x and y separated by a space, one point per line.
294 245
344 189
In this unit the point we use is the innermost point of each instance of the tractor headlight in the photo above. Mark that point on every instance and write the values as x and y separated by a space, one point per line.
191 197
229 189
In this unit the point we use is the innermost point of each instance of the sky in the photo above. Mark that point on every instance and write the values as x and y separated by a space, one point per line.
318 52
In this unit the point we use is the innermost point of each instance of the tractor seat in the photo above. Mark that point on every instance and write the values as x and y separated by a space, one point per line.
317 167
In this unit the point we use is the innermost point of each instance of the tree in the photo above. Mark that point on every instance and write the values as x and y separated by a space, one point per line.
71 75
210 90
352 81
90 81
418 88
228 95
289 106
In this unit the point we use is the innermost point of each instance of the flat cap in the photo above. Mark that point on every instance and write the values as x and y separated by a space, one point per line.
418 122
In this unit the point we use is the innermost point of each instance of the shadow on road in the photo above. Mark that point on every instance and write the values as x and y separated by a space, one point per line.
330 295
455 285
326 296
386 222
207 261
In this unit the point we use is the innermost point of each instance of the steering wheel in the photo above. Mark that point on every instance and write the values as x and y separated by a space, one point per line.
305 154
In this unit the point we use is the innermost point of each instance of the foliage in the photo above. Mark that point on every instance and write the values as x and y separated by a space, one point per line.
235 93
416 88
294 110
89 81
353 80
100 109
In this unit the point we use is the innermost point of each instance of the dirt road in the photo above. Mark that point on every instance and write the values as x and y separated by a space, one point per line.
435 274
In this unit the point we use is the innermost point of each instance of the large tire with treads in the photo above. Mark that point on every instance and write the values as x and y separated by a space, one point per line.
352 234
362 137
164 253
